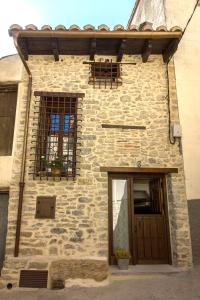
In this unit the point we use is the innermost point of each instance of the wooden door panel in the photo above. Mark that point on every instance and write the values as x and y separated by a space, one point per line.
151 239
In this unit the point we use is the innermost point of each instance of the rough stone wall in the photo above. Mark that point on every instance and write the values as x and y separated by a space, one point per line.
80 228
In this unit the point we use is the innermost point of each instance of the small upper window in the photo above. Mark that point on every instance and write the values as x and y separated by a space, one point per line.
105 74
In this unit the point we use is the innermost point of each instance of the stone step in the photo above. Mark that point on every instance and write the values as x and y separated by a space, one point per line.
145 270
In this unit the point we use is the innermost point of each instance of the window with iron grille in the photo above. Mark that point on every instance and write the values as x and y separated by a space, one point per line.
105 74
55 153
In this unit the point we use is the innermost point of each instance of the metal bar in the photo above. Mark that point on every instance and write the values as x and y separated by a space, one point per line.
117 63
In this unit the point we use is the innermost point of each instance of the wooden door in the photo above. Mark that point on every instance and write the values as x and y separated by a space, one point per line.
138 219
150 222
3 225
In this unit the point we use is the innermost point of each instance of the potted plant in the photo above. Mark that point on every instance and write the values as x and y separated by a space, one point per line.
55 165
122 256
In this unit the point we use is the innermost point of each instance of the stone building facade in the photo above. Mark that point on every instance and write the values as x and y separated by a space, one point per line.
78 237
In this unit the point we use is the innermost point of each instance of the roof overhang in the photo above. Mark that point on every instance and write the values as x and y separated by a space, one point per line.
99 42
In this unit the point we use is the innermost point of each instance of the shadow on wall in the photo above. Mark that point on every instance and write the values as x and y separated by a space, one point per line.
194 217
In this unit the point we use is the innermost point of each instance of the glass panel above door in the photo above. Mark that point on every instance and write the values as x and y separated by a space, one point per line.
120 214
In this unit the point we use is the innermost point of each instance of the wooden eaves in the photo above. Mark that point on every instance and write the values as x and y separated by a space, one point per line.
100 42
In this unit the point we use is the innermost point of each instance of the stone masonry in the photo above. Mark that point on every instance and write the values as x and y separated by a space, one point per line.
80 228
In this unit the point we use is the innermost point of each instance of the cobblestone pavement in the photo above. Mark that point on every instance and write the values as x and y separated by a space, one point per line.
183 286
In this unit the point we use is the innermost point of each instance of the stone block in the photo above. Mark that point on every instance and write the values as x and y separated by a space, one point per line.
79 268
38 265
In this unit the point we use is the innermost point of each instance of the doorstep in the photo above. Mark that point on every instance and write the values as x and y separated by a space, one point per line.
146 270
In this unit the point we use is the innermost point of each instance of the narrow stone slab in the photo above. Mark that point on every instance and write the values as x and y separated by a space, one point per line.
146 269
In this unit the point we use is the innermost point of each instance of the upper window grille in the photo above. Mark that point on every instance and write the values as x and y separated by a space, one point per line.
56 138
105 74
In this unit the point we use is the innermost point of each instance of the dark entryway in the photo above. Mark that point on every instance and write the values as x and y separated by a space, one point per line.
138 218
194 216
3 225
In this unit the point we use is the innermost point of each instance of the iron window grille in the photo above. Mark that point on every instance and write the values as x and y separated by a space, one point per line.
56 135
105 74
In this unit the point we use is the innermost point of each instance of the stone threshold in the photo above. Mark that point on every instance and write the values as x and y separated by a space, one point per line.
146 270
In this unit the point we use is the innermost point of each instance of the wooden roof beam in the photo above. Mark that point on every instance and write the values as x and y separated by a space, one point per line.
24 48
93 49
170 50
100 34
55 49
122 47
147 50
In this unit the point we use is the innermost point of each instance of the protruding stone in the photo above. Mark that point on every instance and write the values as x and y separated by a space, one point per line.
58 230
84 200
77 238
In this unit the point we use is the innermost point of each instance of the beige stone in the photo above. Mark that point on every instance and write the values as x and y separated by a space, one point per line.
79 268
80 227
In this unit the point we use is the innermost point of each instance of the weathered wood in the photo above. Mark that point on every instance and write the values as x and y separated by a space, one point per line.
24 48
170 50
55 50
8 101
93 49
102 34
147 50
123 126
138 170
122 47
59 94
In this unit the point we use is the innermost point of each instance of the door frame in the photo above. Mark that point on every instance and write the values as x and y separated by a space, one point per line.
131 226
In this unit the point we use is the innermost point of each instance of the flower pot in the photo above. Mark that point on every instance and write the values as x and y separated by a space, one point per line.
56 172
123 263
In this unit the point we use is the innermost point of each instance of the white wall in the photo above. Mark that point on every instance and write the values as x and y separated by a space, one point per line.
150 11
187 64
10 72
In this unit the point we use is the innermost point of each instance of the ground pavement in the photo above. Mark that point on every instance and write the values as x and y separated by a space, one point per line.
179 286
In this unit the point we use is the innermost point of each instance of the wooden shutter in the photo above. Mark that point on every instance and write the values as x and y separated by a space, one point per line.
8 101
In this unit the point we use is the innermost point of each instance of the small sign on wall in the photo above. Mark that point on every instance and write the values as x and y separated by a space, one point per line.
45 207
